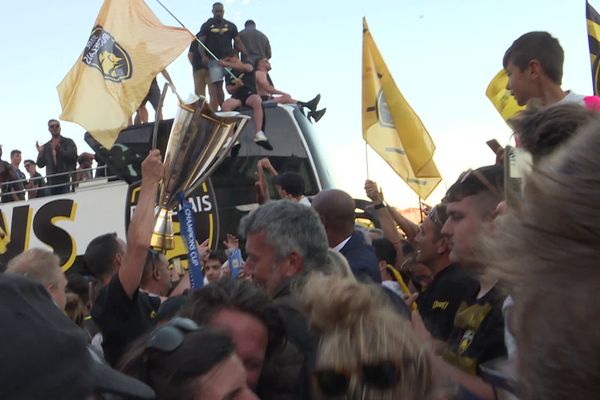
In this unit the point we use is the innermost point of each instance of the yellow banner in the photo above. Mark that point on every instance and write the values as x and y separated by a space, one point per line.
501 97
391 127
127 48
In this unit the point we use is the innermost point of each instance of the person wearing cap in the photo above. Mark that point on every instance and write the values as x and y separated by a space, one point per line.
451 285
45 355
35 184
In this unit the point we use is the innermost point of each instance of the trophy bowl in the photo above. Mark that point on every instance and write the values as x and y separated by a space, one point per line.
199 141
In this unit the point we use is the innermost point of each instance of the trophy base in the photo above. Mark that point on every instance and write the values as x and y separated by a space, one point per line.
162 242
163 237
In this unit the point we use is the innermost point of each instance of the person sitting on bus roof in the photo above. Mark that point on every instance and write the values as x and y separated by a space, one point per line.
266 90
242 88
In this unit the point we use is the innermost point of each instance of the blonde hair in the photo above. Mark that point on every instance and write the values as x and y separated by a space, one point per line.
37 264
547 251
358 327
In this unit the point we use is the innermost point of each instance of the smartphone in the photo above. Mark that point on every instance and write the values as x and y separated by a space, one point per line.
494 145
517 165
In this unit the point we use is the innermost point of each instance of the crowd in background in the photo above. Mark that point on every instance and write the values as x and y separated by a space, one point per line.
490 297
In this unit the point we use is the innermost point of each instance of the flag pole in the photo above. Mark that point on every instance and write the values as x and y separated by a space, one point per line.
420 209
367 159
197 40
157 115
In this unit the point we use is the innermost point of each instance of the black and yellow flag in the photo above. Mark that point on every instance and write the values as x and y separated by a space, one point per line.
127 48
391 127
593 28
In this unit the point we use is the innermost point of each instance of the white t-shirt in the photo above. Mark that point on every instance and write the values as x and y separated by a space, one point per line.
572 97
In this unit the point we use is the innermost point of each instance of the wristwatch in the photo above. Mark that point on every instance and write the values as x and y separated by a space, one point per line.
381 205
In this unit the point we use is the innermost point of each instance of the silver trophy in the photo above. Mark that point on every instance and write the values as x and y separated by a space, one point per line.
198 143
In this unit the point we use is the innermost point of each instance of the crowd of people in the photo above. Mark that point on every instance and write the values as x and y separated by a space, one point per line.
485 299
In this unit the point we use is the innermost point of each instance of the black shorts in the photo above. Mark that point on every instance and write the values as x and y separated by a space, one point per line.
153 95
242 94
266 98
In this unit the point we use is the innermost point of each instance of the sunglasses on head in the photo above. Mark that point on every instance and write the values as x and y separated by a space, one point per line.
383 375
170 336
482 179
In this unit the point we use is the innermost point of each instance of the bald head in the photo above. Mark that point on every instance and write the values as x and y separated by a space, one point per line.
336 209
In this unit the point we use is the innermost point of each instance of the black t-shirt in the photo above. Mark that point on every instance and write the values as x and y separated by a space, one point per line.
196 58
478 332
438 303
219 35
249 79
121 319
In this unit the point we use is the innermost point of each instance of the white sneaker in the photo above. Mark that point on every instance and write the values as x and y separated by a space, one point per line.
260 137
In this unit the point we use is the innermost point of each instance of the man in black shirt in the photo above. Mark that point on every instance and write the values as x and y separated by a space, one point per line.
478 332
451 285
217 35
122 312
243 93
59 156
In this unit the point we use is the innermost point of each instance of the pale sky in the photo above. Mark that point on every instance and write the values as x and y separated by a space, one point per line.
442 54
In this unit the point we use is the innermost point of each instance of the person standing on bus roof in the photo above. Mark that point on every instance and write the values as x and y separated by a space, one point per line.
217 34
59 155
7 174
256 43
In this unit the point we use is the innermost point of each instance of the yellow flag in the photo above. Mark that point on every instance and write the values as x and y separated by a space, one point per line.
391 127
593 28
501 97
127 48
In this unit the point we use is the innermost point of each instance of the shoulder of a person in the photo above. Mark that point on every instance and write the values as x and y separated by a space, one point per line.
66 139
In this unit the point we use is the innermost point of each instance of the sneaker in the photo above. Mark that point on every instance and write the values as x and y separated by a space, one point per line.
261 140
317 115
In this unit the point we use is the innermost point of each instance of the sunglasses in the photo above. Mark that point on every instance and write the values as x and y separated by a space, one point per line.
482 179
53 126
383 375
170 336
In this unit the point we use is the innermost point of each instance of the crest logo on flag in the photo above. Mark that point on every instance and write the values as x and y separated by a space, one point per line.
383 112
107 56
